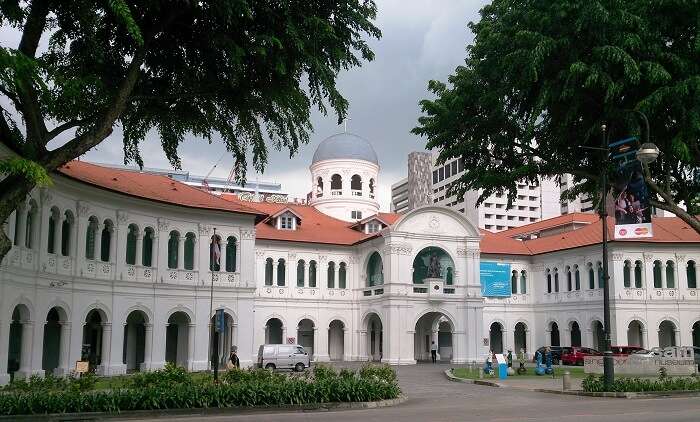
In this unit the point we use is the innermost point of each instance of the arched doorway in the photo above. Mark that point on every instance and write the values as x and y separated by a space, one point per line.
305 336
273 331
433 327
422 263
336 340
19 353
93 347
635 334
598 335
226 339
177 335
554 334
496 338
134 351
575 334
375 338
667 334
520 337
53 347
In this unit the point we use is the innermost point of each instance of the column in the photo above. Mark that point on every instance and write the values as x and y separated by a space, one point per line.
58 234
148 345
663 274
195 255
4 343
548 336
37 352
98 242
64 365
139 249
347 345
113 234
362 354
181 252
104 368
677 336
25 365
190 347
222 260
321 345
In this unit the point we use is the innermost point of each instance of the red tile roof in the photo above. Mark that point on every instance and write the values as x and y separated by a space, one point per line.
550 223
149 186
496 243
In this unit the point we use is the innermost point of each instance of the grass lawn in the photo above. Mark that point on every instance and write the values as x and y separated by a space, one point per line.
575 371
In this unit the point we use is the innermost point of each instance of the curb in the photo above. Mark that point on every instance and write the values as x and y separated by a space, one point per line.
450 376
213 411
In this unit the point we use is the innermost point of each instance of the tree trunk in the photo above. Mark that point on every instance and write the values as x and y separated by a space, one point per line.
13 190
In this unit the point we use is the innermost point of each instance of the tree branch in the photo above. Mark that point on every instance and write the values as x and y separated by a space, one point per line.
62 128
669 204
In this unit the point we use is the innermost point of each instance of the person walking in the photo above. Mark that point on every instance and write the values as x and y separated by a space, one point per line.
233 361
433 352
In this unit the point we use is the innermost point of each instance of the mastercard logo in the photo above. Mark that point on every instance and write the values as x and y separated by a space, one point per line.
641 230
623 232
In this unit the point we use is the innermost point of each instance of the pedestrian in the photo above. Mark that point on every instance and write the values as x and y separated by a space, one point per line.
233 361
433 352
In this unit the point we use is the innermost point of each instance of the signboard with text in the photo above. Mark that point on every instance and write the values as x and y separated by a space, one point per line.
632 208
495 279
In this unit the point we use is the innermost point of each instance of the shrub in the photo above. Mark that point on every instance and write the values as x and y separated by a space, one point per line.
168 376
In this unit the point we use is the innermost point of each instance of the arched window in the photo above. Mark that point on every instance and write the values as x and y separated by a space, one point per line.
231 250
569 281
106 241
173 241
591 276
188 257
268 271
336 182
375 270
147 249
312 273
281 272
29 227
523 282
691 275
91 238
342 282
66 228
670 275
577 278
514 282
331 275
319 187
131 238
549 281
300 272
356 185
657 274
638 274
556 280
54 217
627 274
601 279
214 252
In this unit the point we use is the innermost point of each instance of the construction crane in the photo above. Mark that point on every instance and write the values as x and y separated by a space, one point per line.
205 184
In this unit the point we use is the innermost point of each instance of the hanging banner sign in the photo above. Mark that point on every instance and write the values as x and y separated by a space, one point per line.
632 209
495 279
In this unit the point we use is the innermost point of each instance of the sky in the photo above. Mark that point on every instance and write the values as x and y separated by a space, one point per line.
421 40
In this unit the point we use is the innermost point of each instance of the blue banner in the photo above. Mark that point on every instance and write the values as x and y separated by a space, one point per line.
495 279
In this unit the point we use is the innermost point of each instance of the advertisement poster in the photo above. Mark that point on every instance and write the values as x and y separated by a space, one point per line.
495 279
632 209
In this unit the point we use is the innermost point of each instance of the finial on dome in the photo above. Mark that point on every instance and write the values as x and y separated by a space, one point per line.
345 124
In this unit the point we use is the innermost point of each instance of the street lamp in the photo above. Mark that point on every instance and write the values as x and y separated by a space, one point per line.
647 153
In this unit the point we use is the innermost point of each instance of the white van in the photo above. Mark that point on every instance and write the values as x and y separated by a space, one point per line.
283 356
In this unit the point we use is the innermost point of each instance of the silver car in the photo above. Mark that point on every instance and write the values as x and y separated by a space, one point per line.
283 356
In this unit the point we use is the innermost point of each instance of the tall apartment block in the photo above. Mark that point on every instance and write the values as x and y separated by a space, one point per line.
534 202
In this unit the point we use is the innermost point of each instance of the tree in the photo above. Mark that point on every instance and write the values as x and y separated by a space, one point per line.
246 70
543 76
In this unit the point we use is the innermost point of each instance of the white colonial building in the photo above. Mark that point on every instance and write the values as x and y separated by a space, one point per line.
114 267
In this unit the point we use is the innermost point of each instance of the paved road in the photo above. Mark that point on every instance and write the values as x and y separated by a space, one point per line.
433 398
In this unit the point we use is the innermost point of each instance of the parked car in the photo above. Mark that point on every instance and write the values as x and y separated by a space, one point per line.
625 350
575 355
283 356
557 352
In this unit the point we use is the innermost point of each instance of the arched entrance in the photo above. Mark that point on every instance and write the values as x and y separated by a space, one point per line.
375 338
635 334
667 334
273 331
134 353
177 335
554 334
94 344
598 335
433 327
575 334
226 340
305 336
496 338
336 340
21 331
53 348
520 337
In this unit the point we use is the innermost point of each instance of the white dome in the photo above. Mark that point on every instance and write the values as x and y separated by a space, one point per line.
345 146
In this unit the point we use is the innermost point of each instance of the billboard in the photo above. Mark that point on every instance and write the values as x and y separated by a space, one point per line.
632 209
495 279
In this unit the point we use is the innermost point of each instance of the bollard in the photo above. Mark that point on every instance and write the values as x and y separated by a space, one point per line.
566 381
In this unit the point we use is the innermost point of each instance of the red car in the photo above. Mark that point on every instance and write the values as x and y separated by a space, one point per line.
575 355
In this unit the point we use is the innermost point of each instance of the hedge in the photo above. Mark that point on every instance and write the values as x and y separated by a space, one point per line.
159 390
635 385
